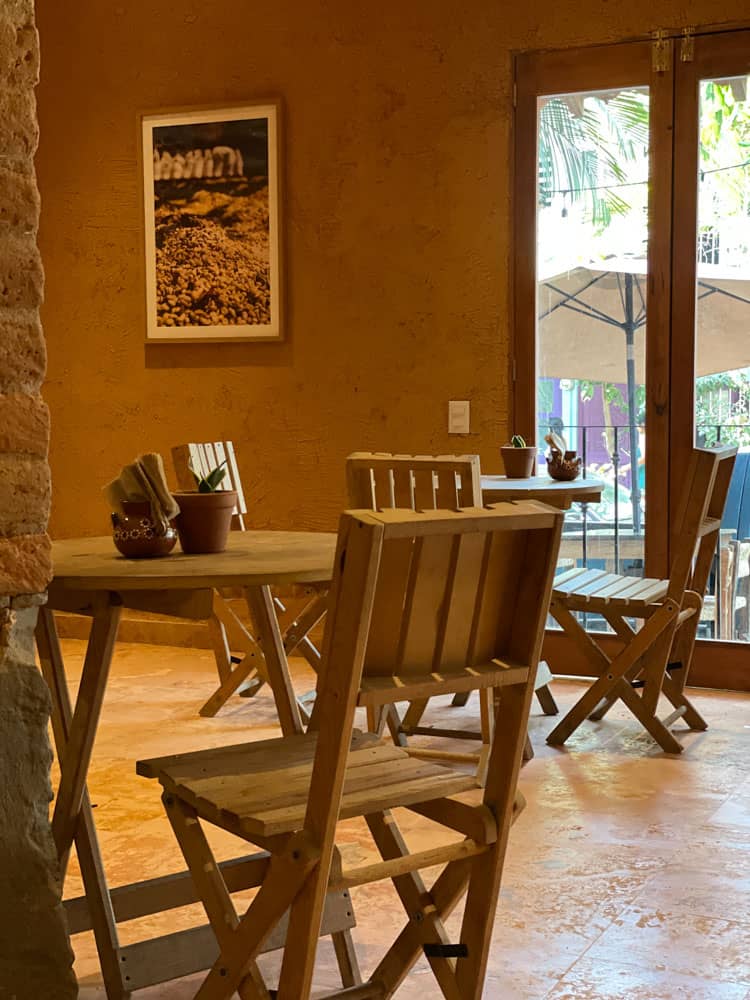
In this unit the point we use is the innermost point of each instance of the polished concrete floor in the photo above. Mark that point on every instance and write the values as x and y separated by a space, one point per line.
628 875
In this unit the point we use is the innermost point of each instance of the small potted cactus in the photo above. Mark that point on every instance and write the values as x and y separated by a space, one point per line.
518 458
206 513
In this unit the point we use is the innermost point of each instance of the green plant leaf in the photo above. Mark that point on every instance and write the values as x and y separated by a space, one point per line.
215 477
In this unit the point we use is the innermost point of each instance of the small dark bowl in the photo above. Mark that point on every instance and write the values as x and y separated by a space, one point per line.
564 469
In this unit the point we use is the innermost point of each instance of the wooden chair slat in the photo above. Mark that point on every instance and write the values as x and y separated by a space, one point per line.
581 580
388 610
593 587
424 489
425 604
383 486
446 492
464 592
568 574
493 622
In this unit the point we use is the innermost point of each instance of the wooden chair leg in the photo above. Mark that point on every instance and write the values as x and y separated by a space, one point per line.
261 608
487 729
211 888
649 721
691 715
446 892
546 700
603 707
377 715
220 645
611 672
394 726
246 676
413 714
413 894
86 843
343 945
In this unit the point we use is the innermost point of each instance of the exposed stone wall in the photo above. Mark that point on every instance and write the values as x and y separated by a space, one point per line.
35 957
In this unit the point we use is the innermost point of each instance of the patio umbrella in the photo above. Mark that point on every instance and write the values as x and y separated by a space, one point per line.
576 307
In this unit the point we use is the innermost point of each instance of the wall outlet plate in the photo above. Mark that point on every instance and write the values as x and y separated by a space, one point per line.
459 416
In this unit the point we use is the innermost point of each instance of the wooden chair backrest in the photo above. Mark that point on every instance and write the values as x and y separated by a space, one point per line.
377 481
205 457
698 521
420 592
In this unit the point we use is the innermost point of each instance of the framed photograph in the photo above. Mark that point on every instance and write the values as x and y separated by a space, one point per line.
211 206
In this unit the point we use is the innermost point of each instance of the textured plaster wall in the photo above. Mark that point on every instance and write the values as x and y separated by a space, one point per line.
396 220
35 958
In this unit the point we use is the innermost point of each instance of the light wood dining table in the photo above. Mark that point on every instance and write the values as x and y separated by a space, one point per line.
93 579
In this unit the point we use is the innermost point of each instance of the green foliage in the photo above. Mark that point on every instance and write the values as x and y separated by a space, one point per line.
545 395
722 408
517 441
613 396
580 154
211 482
725 146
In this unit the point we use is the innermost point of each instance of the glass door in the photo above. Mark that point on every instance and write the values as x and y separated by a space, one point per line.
711 325
592 232
591 298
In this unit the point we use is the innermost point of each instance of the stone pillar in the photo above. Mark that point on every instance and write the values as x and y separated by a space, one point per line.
35 957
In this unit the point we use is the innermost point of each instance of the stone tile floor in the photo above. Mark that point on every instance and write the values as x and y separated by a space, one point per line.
628 875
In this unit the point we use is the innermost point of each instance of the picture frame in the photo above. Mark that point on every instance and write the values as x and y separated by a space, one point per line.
212 224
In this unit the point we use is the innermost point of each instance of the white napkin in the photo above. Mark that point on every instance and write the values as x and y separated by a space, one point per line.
143 480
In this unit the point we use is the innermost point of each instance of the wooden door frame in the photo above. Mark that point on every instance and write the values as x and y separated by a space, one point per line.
605 67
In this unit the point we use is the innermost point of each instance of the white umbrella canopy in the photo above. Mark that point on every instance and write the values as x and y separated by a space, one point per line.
584 315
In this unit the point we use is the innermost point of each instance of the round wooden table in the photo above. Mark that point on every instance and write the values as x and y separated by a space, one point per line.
251 558
555 492
93 579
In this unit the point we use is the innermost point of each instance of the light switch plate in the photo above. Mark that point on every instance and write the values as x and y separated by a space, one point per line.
459 416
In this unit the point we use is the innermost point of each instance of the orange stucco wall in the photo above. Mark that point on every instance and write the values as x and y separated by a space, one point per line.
396 219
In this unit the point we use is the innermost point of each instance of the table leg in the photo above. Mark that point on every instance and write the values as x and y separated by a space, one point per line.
86 843
262 611
75 757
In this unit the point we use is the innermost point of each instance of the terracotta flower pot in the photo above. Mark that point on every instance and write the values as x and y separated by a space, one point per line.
518 462
204 520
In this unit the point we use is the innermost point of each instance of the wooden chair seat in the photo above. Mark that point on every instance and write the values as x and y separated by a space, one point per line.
262 789
589 589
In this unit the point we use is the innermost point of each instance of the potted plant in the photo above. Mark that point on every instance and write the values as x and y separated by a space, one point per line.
206 513
518 458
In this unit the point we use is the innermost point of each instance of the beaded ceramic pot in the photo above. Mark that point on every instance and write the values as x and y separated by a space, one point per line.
135 534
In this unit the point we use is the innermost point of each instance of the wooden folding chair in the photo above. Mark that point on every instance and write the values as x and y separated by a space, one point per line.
240 670
432 603
381 481
654 659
